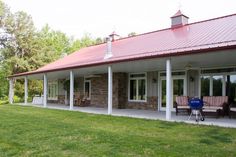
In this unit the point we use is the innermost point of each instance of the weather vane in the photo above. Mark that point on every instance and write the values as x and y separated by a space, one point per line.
180 5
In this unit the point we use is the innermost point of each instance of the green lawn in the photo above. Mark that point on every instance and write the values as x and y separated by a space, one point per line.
29 131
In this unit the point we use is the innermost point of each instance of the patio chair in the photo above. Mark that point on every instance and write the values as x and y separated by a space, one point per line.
77 98
83 101
232 109
215 104
181 104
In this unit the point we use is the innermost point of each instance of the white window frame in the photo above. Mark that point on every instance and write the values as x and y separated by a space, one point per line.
211 83
211 75
137 78
174 77
89 81
50 83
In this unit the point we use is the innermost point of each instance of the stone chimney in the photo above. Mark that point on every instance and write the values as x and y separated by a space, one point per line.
108 53
178 20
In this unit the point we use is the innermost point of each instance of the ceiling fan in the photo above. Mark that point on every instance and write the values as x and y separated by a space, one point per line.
189 66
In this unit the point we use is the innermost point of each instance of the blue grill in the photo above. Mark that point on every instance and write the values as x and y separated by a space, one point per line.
196 106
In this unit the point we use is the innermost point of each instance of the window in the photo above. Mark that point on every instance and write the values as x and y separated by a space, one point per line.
231 88
137 87
177 73
205 86
87 89
217 71
52 90
217 85
212 85
219 82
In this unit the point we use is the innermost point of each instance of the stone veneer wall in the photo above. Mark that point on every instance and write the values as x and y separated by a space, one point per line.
151 104
122 80
99 89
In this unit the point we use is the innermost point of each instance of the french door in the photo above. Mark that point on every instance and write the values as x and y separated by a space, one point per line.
178 88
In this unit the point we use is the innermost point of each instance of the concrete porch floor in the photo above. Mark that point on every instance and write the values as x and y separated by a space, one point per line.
146 114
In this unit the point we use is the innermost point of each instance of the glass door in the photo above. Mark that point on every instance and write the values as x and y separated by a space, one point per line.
87 89
178 90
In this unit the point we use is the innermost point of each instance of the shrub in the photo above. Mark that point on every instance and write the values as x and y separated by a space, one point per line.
16 99
4 100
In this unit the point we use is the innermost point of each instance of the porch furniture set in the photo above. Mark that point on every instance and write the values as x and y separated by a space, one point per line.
211 104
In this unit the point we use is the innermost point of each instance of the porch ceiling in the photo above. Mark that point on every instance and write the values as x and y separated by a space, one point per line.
204 60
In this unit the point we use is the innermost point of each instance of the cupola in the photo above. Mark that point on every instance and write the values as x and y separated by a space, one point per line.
178 20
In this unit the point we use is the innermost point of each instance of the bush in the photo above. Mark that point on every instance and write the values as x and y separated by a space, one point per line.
4 100
16 99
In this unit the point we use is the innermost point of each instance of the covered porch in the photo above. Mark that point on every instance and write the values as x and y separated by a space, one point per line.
147 84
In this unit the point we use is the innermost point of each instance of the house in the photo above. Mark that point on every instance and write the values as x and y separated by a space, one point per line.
147 71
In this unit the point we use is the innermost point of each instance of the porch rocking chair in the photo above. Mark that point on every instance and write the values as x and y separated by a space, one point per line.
77 98
83 101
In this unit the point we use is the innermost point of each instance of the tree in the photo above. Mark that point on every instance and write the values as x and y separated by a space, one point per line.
53 44
85 41
18 46
132 34
99 40
4 15
20 43
23 48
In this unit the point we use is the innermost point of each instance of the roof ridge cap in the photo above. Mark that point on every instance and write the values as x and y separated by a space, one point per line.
211 19
164 29
169 28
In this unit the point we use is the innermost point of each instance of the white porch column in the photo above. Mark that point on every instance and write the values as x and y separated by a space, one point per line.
11 91
109 90
211 86
224 86
200 84
169 93
45 90
26 89
66 99
71 90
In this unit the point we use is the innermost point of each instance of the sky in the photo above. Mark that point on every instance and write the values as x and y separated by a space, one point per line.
101 17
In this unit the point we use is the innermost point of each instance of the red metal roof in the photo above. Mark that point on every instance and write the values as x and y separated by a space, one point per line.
199 36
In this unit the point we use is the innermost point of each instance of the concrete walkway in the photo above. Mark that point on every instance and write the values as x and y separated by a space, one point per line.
147 114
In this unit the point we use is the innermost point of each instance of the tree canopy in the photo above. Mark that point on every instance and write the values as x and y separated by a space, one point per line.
24 48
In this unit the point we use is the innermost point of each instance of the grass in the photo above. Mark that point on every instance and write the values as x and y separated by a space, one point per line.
30 131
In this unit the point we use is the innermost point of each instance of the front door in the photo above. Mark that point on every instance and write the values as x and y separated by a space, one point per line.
178 84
